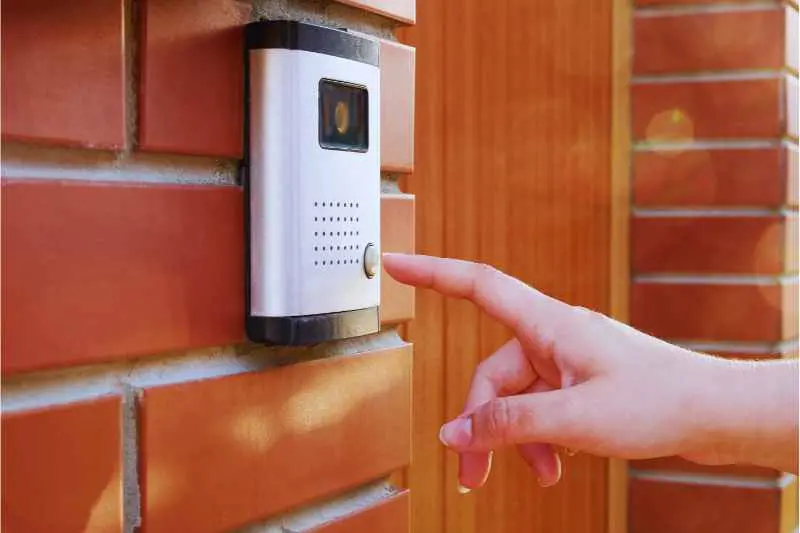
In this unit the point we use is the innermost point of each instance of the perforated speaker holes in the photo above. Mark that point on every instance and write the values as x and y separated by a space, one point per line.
337 232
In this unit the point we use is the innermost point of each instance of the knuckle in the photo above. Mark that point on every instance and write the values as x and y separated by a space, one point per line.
498 420
485 273
585 315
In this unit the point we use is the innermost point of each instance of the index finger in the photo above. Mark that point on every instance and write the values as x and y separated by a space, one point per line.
529 313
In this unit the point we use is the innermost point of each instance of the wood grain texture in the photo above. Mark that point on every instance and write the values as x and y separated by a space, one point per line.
220 453
388 516
513 169
73 251
621 193
426 476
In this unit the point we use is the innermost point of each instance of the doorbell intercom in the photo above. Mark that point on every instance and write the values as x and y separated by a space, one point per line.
312 182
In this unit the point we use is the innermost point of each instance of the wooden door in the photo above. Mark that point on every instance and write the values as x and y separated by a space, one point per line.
513 168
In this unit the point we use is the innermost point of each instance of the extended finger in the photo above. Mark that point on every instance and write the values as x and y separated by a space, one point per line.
530 314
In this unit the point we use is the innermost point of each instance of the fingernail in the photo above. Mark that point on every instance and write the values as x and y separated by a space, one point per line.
463 490
545 484
457 432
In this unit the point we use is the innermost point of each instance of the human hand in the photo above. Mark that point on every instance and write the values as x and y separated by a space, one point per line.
570 378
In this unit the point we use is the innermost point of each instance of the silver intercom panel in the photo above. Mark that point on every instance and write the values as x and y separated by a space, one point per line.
312 182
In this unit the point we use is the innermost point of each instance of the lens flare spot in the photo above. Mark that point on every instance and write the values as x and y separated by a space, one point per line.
672 125
254 428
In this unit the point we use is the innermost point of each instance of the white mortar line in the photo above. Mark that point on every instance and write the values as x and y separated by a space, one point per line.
713 480
20 161
682 212
701 77
315 515
741 347
34 390
716 279
131 496
730 144
672 10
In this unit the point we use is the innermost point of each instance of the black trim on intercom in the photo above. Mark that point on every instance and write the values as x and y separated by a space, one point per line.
295 35
313 329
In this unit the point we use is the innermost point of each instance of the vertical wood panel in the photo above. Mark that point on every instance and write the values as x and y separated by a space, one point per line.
512 168
425 479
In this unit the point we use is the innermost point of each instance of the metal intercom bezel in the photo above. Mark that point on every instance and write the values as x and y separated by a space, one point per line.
312 328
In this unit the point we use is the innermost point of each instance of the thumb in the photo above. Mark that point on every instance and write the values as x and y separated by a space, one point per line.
553 417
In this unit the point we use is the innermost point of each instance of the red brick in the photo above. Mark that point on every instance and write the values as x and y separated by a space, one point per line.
219 453
658 507
728 177
397 106
683 111
397 232
676 464
92 272
705 244
647 3
62 70
192 76
388 516
695 42
402 10
61 468
721 312
97 271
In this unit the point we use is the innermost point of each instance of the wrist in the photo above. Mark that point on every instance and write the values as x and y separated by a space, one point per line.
747 413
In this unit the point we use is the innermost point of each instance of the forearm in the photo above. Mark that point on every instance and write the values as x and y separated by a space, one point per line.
753 413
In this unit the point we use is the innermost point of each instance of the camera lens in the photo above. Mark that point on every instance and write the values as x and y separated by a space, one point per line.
342 117
343 121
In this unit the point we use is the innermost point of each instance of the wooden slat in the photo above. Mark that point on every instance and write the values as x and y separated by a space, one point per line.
512 168
426 476
621 193
220 453
388 516
95 272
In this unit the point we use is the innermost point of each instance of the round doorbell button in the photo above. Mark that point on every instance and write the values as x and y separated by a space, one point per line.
371 260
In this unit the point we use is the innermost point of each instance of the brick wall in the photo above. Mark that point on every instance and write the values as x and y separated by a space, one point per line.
131 400
714 230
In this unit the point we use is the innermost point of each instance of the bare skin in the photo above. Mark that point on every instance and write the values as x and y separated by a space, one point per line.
575 379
